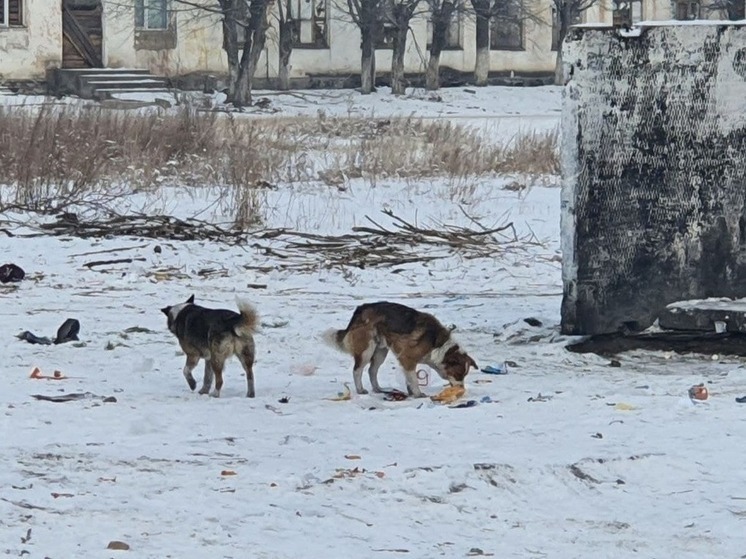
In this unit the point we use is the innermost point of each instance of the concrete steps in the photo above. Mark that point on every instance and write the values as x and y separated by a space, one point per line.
106 83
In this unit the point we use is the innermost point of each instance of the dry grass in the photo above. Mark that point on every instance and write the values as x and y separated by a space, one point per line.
59 155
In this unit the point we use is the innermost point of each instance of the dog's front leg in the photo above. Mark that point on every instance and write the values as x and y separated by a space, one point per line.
207 379
413 387
191 363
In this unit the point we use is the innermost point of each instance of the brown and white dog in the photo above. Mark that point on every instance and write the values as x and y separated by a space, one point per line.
414 337
214 335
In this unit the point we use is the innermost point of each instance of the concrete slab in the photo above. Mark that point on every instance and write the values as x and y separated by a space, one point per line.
702 314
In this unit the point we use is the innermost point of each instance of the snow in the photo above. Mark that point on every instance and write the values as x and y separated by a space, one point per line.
610 462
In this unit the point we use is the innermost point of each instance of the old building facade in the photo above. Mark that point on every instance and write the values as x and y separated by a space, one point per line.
173 38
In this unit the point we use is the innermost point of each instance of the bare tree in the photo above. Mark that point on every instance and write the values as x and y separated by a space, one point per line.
732 10
368 16
442 13
566 13
285 32
399 13
245 26
494 15
483 10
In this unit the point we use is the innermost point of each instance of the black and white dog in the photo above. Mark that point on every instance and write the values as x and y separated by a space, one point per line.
214 335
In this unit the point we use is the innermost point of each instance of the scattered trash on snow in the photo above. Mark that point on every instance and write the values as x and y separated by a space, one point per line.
37 374
394 395
699 392
73 397
449 394
342 396
11 273
118 546
477 552
540 398
498 370
467 404
305 370
67 332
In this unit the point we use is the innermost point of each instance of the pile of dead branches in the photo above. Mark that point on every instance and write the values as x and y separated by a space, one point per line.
137 225
371 246
379 246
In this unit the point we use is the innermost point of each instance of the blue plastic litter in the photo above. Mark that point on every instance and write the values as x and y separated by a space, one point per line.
467 404
498 370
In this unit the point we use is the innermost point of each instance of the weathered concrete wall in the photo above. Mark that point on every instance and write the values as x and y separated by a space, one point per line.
654 163
26 52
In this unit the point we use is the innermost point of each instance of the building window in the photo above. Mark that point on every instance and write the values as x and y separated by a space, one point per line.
309 23
687 10
576 19
11 13
454 38
506 26
627 12
151 14
385 35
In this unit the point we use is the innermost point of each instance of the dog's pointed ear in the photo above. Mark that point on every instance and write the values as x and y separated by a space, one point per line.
166 310
191 299
473 363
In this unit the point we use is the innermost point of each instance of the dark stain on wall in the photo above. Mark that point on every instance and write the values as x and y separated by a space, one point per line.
657 183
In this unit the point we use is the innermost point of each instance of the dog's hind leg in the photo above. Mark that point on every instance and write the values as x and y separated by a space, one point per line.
379 356
361 360
207 379
217 368
191 363
246 357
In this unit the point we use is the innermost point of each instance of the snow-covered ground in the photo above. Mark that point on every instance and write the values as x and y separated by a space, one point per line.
567 457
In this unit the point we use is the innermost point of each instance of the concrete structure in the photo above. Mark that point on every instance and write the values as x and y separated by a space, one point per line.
654 171
173 39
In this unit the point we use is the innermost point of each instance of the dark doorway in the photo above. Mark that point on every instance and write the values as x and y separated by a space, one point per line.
82 35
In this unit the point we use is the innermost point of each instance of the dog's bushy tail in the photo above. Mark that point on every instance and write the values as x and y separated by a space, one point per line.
336 339
249 319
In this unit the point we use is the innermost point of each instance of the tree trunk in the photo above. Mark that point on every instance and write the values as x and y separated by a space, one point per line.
432 73
255 38
559 72
565 17
441 19
285 50
242 87
230 43
367 63
398 83
258 25
735 9
482 67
